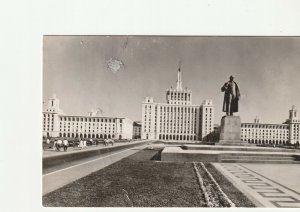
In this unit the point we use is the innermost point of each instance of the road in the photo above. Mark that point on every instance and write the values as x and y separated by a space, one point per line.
51 152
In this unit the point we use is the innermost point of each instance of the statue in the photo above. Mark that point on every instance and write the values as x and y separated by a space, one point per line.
231 97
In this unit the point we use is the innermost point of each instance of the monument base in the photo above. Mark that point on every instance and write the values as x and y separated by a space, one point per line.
230 131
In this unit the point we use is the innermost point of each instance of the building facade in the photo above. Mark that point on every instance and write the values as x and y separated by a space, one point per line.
177 119
137 126
57 124
278 134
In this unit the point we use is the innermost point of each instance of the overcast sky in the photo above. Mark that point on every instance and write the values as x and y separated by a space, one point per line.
267 70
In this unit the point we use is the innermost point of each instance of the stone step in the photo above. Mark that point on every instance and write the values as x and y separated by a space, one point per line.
233 143
237 148
259 158
259 161
271 157
261 154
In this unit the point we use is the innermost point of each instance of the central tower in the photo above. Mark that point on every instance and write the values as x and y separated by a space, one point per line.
177 119
179 81
179 96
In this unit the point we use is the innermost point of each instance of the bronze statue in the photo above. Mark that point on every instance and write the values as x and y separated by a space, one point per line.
231 97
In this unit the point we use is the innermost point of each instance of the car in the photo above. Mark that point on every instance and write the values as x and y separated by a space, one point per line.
91 142
73 143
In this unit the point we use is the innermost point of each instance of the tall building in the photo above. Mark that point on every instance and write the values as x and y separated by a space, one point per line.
57 124
259 133
177 119
206 118
294 124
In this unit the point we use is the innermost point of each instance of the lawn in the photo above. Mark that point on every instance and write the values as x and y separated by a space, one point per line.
142 180
135 181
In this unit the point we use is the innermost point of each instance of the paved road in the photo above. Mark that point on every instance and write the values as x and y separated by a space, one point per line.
52 152
267 185
58 178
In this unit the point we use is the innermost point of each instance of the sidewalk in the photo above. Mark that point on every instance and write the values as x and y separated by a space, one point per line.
57 159
52 152
267 185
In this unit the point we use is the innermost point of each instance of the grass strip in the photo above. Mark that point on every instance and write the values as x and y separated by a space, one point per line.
136 181
221 193
202 187
237 197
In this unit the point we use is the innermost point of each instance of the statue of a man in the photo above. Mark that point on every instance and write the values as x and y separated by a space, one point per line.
231 97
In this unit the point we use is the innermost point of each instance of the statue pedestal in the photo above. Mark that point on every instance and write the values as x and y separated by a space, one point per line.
230 131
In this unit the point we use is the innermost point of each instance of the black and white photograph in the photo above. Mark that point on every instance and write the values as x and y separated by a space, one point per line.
171 121
141 105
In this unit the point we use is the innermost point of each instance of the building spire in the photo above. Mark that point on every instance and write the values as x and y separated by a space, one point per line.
179 82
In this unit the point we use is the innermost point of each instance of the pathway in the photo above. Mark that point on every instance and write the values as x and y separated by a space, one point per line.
267 185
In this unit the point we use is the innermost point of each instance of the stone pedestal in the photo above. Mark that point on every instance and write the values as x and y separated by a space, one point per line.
230 131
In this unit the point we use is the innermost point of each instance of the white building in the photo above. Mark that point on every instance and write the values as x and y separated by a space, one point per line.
177 119
206 118
56 124
259 133
294 125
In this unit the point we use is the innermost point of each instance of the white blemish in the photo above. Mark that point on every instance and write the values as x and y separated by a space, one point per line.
127 197
83 44
114 64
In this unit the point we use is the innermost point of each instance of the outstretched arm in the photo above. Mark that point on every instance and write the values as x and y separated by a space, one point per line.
224 87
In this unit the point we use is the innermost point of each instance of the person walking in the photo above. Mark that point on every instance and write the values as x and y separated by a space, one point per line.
80 144
84 144
54 145
65 144
58 145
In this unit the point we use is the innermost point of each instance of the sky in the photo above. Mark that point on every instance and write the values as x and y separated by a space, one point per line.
116 73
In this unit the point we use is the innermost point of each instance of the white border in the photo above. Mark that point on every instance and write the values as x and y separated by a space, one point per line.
23 23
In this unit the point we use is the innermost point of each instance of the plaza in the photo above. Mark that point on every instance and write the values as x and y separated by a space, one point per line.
138 177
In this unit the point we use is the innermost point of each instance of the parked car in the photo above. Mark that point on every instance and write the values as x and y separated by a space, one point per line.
73 143
91 142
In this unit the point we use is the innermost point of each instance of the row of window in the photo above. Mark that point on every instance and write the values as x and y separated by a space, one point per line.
180 94
171 109
88 124
177 137
179 98
264 131
87 131
48 115
281 135
175 102
265 126
81 119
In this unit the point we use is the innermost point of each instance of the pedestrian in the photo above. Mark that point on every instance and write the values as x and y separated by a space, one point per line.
80 144
54 145
48 141
58 145
65 143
